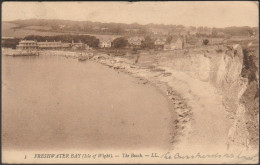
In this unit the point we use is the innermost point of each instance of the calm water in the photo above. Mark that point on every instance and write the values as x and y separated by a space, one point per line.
53 102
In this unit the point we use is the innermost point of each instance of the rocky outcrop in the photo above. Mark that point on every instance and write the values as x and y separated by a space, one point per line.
250 98
233 72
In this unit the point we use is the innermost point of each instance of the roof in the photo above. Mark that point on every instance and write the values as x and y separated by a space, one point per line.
49 42
136 39
78 43
160 40
27 41
105 40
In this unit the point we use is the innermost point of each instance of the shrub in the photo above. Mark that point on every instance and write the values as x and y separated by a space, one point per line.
205 42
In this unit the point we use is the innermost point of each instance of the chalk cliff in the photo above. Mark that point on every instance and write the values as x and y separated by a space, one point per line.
234 73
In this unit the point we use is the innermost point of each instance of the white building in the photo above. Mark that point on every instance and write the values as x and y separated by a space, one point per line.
27 44
105 43
135 41
176 43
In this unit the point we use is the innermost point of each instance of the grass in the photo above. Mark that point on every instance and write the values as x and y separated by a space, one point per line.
12 30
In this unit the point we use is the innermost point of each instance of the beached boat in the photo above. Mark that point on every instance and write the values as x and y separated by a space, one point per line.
84 57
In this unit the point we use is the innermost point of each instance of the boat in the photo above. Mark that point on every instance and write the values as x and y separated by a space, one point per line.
83 57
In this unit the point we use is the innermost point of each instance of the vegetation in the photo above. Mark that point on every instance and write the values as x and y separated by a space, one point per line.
83 26
250 69
250 98
205 42
127 29
169 39
147 43
10 43
120 42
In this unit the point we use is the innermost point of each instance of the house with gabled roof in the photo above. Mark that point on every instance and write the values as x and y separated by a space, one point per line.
105 43
176 43
159 43
135 41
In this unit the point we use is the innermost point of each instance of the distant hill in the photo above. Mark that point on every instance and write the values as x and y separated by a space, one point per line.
14 30
62 26
22 28
10 29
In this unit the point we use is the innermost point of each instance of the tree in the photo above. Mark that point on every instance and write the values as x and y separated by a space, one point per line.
169 39
147 43
214 32
205 42
120 42
10 43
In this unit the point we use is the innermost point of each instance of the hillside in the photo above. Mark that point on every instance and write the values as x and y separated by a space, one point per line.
51 27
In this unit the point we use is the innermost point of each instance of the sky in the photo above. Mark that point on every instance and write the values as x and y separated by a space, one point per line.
211 14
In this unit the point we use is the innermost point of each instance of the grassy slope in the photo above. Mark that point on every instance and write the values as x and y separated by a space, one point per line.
12 30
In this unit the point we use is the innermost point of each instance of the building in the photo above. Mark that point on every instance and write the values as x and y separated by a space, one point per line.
65 45
53 45
159 43
216 41
49 45
27 44
176 43
30 44
87 47
105 43
60 45
78 45
135 41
